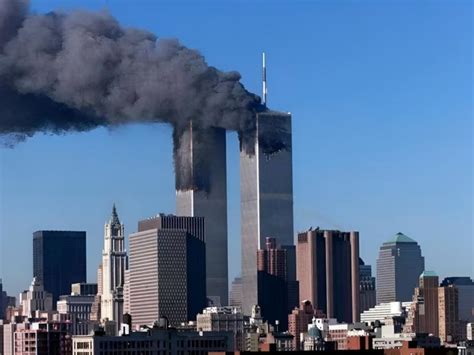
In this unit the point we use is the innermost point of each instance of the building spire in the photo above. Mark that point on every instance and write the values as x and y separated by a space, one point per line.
114 220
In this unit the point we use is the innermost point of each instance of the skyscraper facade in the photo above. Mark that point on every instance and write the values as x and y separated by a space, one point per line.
328 272
167 270
399 266
201 162
448 303
367 298
114 260
59 260
235 295
465 287
266 195
36 298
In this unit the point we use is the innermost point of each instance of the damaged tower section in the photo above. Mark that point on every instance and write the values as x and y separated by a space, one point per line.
201 191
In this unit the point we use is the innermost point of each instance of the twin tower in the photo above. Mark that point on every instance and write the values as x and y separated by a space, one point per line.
266 197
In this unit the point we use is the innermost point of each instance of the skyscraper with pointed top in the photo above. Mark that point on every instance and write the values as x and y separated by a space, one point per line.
114 261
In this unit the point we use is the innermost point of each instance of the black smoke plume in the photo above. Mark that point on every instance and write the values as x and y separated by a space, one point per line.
73 72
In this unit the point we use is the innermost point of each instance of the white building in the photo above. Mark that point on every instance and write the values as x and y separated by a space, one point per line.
114 260
226 319
470 331
35 299
383 311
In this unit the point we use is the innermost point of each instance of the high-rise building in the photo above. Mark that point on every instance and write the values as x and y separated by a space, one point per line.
448 303
76 308
235 296
423 313
272 283
328 272
59 260
399 265
465 287
167 270
367 297
266 194
114 261
35 299
201 191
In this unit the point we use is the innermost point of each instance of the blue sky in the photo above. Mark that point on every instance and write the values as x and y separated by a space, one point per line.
381 97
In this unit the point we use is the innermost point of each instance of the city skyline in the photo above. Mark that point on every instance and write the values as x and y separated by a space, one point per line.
95 153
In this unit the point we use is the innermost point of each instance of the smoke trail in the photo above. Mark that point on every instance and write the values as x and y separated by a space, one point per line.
77 71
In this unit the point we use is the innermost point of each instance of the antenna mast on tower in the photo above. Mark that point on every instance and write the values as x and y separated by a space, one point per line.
264 80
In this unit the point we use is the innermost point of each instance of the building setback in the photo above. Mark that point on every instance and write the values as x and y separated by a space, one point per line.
399 265
59 260
202 153
167 270
266 195
328 272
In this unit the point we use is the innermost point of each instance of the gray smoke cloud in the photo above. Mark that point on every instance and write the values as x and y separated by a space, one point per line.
63 72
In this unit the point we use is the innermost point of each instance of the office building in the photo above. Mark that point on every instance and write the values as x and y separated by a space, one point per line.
223 319
59 260
272 283
382 311
5 301
399 265
155 340
76 309
201 191
448 303
42 338
423 313
298 321
167 270
465 287
266 194
367 296
114 261
35 299
328 272
85 289
235 295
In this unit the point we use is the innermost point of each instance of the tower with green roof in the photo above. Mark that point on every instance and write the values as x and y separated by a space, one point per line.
399 266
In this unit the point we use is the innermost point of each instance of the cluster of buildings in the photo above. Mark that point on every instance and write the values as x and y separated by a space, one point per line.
168 292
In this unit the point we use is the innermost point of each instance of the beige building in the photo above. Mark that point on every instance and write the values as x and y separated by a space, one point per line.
448 305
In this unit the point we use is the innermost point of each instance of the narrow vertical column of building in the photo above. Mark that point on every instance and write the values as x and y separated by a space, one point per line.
201 191
355 282
329 275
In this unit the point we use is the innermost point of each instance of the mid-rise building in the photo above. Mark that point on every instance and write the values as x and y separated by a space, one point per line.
114 261
298 321
59 260
423 314
465 287
328 272
82 288
42 338
35 299
448 303
154 340
223 319
399 265
76 309
167 270
266 194
383 311
273 290
5 301
367 296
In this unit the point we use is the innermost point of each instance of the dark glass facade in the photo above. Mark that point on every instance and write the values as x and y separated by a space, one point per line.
59 260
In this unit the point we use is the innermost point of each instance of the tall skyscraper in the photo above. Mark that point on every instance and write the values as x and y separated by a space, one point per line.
114 260
167 270
328 272
202 155
399 265
367 298
59 260
266 195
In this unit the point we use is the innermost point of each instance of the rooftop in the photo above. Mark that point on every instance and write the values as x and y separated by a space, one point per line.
428 273
400 238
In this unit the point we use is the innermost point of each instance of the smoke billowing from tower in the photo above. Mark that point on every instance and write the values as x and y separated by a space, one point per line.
74 72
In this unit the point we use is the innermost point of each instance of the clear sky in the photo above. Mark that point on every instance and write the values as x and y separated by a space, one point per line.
381 97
